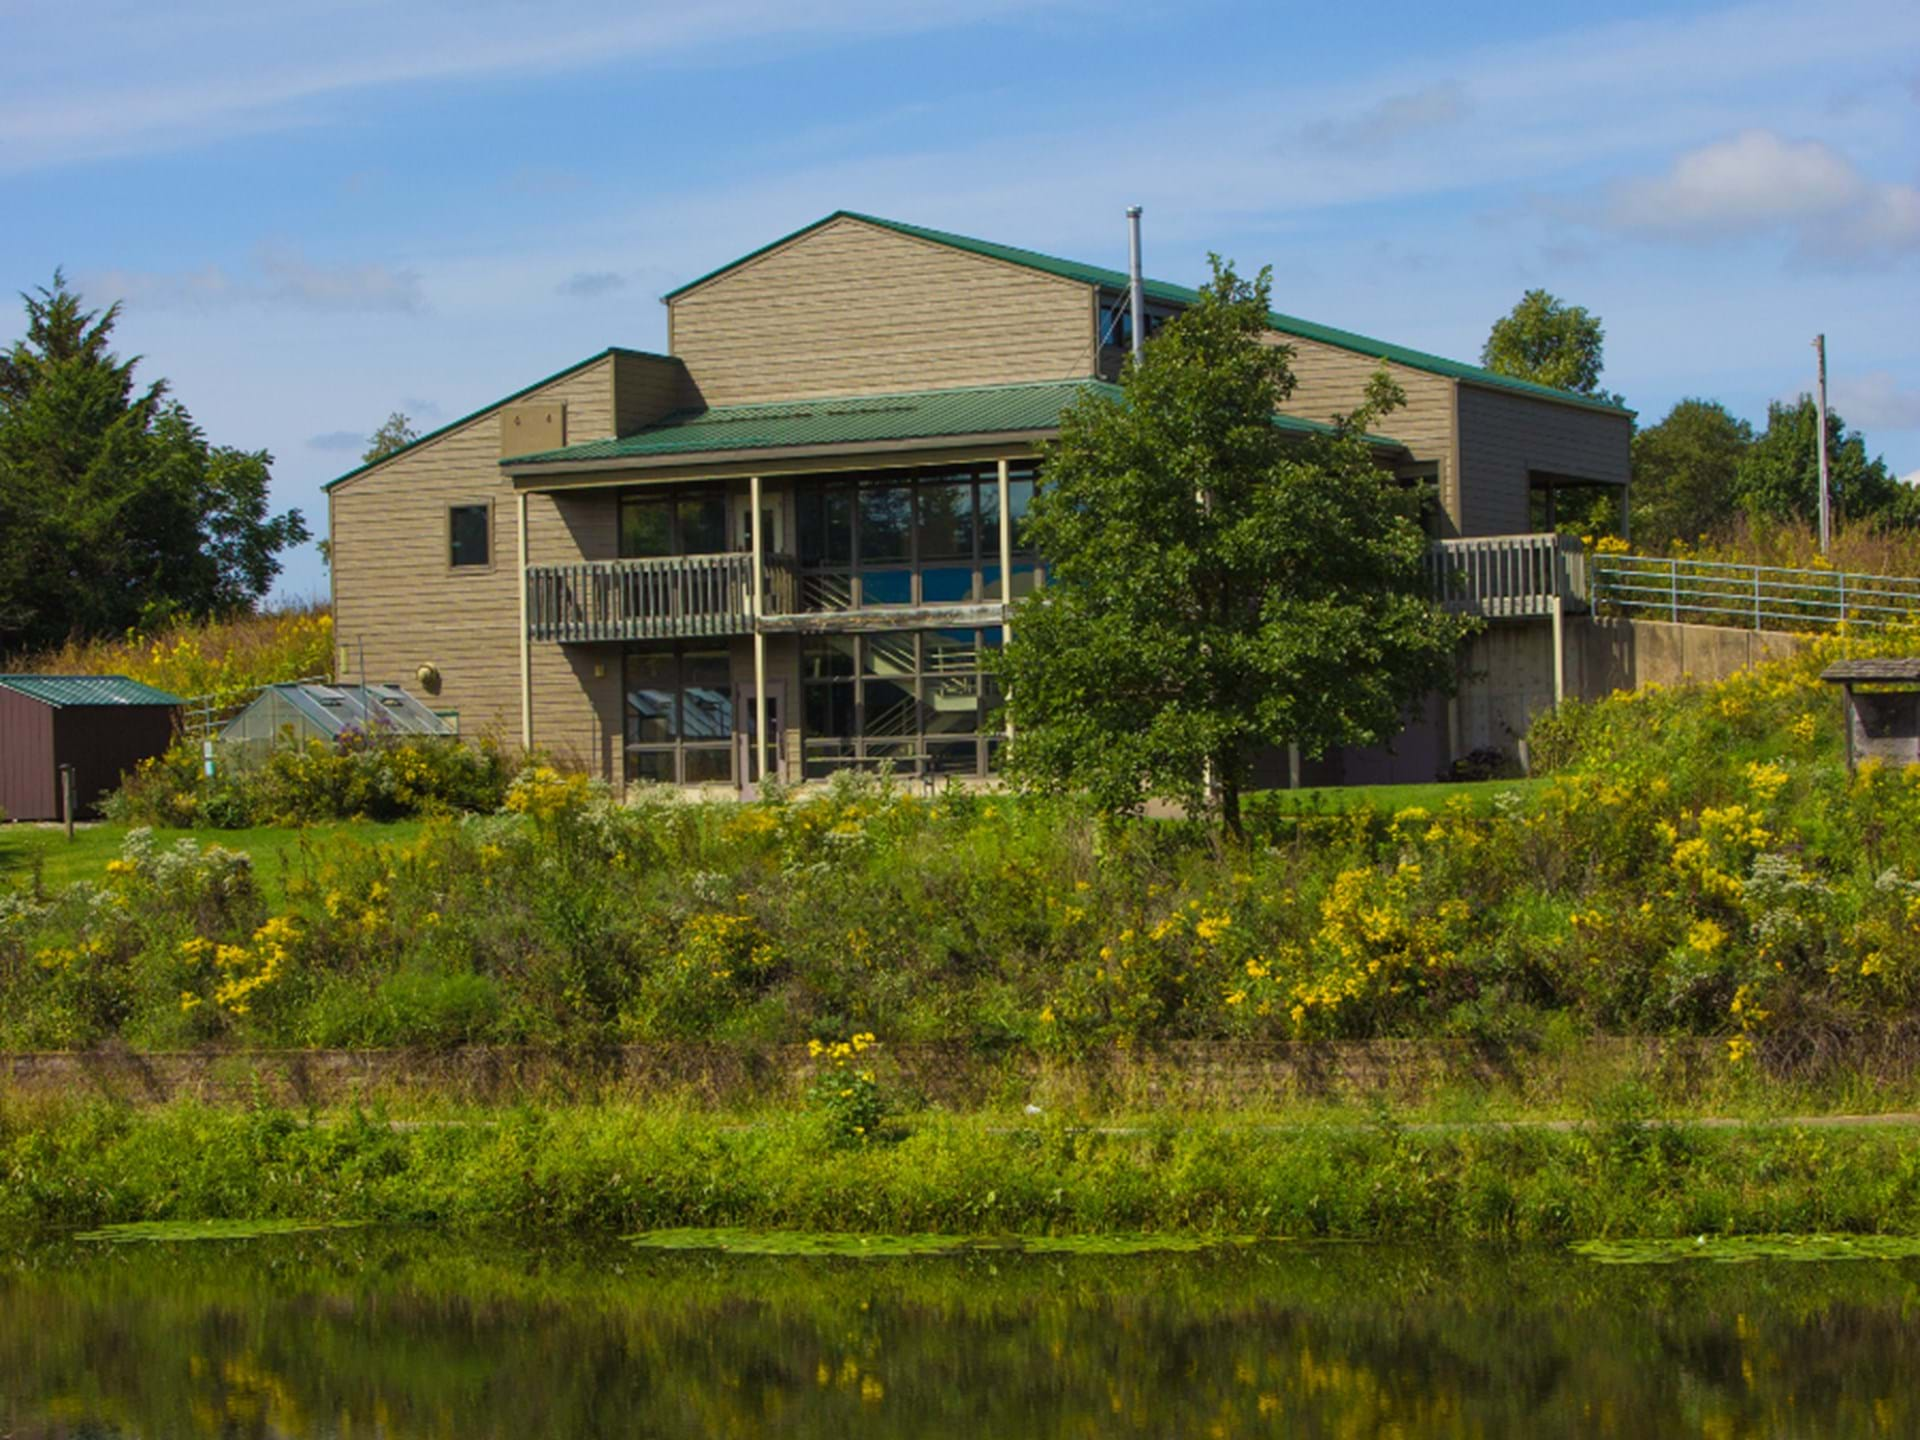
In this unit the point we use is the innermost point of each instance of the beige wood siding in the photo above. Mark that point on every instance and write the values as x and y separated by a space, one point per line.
852 309
647 388
1504 437
1330 381
397 602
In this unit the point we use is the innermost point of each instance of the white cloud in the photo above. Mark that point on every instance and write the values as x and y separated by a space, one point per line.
1415 112
1758 182
1876 400
280 275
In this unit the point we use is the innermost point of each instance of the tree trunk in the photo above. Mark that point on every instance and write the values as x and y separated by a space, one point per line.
1227 777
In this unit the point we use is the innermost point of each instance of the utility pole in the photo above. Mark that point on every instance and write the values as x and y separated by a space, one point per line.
1820 435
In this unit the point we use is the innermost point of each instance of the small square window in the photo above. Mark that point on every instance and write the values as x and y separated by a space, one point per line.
467 537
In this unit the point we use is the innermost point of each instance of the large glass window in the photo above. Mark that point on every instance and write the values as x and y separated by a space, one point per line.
929 536
673 522
916 702
679 714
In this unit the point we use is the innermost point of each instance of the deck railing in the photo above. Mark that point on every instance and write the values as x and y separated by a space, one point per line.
1508 577
1753 597
654 599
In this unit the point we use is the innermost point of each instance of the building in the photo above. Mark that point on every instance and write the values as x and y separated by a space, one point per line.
797 513
99 726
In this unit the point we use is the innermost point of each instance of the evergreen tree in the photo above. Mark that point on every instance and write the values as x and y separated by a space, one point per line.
115 511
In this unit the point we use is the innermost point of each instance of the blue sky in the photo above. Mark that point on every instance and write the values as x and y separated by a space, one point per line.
317 214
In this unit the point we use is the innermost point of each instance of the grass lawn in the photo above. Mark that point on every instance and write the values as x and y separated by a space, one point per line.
86 857
1338 799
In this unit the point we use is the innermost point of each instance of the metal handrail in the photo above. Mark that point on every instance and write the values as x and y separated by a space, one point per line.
1758 597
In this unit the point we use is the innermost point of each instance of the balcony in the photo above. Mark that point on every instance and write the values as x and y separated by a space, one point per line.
668 598
1509 577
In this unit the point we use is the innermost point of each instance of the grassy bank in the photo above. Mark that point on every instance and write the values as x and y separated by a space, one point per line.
614 1169
27 851
1699 865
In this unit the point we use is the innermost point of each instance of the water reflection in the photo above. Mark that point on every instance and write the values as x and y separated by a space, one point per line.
358 1334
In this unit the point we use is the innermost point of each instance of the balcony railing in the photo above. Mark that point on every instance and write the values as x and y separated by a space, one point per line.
1508 577
656 599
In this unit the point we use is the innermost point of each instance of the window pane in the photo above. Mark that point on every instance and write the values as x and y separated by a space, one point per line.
703 524
707 765
826 656
886 587
891 709
946 520
650 685
885 512
653 765
946 586
467 535
829 712
706 700
952 705
1019 501
890 653
950 651
646 526
954 758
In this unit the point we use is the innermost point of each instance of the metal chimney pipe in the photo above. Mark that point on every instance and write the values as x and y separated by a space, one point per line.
1136 287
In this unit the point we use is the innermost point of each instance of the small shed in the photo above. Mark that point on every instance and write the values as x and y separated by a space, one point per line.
1882 724
101 725
302 712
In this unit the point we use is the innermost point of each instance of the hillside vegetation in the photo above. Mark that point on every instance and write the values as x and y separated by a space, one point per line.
223 659
1699 863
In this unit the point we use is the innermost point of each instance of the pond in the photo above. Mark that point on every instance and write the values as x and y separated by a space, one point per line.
349 1333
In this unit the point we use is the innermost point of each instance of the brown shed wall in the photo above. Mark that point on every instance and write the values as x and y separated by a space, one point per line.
26 759
106 743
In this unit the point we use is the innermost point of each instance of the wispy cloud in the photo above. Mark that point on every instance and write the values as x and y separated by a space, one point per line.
278 65
591 284
338 440
1758 182
280 275
1877 400
1393 118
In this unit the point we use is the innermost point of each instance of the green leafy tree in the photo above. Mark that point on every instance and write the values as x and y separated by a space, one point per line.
1686 472
1549 342
1216 585
395 433
115 511
1779 475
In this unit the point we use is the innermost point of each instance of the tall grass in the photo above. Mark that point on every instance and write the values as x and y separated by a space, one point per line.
222 659
1864 548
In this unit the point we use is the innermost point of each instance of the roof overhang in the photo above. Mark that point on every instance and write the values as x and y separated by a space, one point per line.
776 460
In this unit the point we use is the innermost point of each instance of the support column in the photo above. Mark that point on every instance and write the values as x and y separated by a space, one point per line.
526 642
1006 568
759 635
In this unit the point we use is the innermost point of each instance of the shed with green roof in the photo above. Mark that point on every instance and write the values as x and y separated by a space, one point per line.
102 726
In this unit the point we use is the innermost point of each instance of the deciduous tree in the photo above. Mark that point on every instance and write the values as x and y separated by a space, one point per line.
1686 472
1549 342
1779 475
1216 584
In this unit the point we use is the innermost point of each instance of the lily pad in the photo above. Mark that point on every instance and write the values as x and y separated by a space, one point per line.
1744 1249
831 1243
168 1231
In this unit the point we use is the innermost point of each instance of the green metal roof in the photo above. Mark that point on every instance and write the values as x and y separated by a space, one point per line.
493 405
1181 295
858 419
60 691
